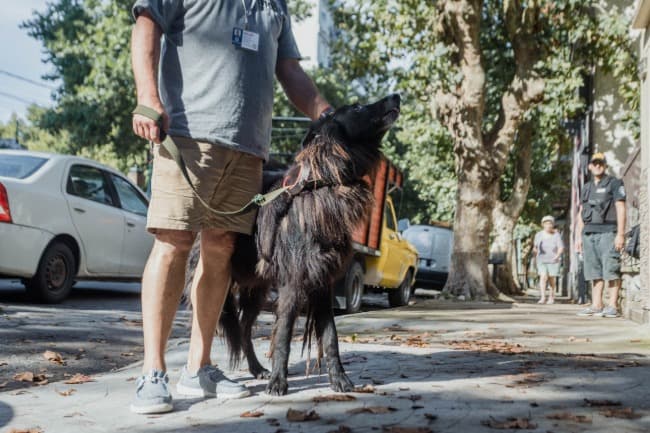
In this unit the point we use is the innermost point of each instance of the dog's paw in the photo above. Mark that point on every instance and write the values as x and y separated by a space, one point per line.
341 383
261 373
277 386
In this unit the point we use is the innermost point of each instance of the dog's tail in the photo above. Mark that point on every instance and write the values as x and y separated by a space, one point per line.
231 329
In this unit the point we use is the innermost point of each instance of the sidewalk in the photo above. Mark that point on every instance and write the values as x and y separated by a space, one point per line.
434 366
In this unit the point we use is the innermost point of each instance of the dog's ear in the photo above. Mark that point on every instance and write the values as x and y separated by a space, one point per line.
312 132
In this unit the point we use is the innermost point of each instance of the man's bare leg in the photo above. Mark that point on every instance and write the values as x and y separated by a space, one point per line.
597 294
162 285
209 290
551 282
614 288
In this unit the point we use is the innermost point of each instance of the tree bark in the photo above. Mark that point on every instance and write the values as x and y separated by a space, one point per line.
481 159
506 213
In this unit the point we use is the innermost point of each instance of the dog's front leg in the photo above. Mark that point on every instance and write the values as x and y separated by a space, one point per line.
286 312
326 332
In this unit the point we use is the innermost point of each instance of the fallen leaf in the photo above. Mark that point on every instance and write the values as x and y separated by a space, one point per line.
79 378
625 413
528 332
25 430
601 402
302 415
430 416
3 384
397 429
365 389
26 376
67 392
252 414
372 409
333 397
566 416
635 341
127 354
341 429
54 357
510 423
273 421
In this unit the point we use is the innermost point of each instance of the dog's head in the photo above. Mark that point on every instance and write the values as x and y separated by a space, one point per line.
356 124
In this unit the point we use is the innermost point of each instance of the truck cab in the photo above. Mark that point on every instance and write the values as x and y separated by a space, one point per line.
384 261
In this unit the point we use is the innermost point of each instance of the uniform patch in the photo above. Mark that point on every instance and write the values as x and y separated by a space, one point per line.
621 190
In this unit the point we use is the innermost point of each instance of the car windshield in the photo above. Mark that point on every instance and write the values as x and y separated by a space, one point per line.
20 166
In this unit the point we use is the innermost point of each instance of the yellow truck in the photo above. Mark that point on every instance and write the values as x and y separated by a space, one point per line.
383 261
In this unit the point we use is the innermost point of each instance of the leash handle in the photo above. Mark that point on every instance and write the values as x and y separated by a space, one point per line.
172 148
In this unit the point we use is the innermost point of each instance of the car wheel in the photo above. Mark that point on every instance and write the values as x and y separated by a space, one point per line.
353 285
401 296
54 277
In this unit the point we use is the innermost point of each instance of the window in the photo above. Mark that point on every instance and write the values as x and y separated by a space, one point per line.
388 217
20 166
130 198
89 183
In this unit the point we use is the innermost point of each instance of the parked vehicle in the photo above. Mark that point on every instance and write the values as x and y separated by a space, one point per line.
64 218
434 245
384 260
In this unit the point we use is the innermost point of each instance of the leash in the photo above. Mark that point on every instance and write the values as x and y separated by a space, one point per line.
168 143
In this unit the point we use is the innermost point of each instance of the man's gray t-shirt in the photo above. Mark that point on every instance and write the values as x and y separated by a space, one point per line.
211 89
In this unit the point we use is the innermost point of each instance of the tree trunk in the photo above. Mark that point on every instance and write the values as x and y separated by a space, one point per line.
506 213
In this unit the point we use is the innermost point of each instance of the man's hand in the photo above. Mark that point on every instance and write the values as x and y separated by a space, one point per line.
147 128
619 242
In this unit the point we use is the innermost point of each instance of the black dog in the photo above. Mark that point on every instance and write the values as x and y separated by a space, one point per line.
303 241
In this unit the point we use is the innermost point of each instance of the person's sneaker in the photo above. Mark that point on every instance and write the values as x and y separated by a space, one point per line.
590 311
542 301
209 381
610 312
551 301
152 394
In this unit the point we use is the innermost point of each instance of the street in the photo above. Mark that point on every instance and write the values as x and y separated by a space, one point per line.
433 366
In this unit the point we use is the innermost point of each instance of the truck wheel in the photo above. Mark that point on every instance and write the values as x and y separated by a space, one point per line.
54 277
400 296
353 286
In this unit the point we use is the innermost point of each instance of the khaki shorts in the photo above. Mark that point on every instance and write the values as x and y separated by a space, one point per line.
225 178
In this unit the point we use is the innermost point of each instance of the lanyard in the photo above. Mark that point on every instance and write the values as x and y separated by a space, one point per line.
248 12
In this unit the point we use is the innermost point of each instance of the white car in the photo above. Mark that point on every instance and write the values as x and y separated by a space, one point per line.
64 218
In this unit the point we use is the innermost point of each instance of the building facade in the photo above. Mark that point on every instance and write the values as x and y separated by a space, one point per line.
314 35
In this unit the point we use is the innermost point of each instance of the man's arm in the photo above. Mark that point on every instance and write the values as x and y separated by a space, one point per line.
579 226
300 89
619 241
145 55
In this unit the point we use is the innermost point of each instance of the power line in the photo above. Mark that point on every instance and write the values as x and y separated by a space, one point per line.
27 80
17 98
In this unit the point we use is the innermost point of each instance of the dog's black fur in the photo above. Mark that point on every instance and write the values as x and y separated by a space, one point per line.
303 241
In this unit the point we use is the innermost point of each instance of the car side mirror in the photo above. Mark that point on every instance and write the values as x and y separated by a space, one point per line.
403 224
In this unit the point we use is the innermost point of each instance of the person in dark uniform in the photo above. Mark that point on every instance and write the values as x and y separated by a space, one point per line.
600 235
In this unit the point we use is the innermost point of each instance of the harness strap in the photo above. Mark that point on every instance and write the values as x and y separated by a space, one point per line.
168 143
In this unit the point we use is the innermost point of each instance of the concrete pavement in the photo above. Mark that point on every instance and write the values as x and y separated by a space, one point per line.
434 366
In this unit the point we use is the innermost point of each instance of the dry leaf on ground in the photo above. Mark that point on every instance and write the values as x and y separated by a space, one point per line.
67 392
372 409
79 378
601 402
54 357
341 429
26 376
566 416
333 397
510 423
252 414
430 416
3 384
365 389
625 413
25 430
302 415
398 429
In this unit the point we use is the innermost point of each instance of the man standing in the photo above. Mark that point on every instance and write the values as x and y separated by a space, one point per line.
600 235
211 78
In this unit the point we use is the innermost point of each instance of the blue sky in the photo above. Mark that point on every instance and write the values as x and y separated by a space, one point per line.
20 55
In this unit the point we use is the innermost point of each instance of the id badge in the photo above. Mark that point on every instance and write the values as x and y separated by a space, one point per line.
245 39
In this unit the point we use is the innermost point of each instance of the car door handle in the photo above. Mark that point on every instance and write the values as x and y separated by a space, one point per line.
79 210
130 224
